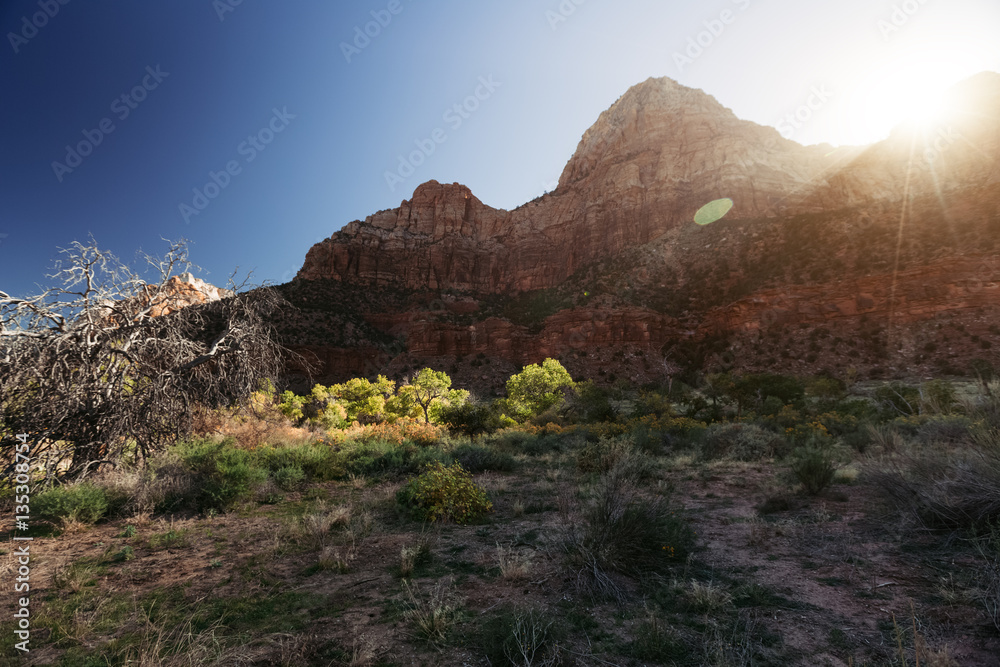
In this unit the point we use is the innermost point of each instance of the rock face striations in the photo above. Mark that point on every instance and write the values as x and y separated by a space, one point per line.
610 263
656 156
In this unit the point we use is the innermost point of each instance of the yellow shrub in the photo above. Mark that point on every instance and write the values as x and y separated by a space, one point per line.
397 432
446 494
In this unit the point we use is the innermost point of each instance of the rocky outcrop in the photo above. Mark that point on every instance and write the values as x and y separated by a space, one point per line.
181 291
176 293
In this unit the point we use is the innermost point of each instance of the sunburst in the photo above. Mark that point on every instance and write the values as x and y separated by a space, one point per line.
908 92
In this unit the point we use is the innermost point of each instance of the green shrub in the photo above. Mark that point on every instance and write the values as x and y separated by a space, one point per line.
514 441
860 408
908 427
653 403
749 391
379 458
550 442
897 400
651 440
623 532
289 478
470 418
741 442
84 502
317 460
653 435
656 641
118 499
126 553
771 406
479 459
591 403
950 429
814 467
445 494
167 485
228 475
937 397
952 489
603 455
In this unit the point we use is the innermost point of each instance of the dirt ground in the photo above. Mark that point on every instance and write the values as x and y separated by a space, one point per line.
848 579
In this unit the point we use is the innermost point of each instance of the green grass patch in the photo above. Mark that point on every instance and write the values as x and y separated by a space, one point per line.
84 503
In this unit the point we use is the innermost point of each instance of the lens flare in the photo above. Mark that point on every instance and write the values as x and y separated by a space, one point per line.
713 211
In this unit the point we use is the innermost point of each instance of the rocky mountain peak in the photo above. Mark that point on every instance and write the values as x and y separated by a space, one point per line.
612 262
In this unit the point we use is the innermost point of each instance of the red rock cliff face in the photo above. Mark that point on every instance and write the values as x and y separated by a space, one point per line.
638 176
660 153
951 286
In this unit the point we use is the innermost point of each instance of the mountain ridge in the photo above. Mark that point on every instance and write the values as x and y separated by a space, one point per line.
637 177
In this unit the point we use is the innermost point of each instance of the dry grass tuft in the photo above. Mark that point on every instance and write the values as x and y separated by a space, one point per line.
708 597
364 652
435 612
886 437
338 559
517 507
317 526
514 566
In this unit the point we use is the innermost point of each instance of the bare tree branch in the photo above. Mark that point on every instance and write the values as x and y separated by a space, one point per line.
107 366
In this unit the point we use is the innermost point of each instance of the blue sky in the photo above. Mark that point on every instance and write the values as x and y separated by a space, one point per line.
299 114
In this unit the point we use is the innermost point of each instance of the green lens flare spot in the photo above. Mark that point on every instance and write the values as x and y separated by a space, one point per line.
713 211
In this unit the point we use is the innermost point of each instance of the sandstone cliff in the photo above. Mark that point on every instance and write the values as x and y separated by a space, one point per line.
655 157
610 264
181 291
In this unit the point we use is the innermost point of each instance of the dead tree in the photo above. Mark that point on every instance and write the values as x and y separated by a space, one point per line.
94 371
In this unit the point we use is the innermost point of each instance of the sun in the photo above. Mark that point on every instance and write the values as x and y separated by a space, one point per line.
908 91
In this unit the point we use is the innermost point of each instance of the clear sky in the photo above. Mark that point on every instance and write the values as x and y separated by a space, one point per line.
299 114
